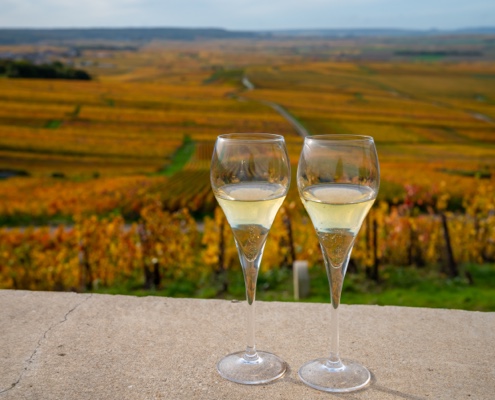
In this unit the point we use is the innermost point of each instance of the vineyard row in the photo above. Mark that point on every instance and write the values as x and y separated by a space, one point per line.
166 244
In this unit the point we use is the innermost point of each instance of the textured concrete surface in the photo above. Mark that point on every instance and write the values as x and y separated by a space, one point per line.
82 346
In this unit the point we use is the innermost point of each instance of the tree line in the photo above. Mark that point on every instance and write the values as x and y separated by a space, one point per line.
54 70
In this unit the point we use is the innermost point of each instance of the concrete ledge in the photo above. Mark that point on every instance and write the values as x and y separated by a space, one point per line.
83 346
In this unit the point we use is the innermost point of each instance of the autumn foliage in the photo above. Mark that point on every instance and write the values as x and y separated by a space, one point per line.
88 201
169 244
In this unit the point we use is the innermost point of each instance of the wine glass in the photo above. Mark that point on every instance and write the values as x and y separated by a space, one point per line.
250 177
338 177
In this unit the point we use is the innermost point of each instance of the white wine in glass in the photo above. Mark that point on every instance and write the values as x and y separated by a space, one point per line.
338 178
250 177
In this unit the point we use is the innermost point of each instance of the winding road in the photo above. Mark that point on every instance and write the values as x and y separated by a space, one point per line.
300 129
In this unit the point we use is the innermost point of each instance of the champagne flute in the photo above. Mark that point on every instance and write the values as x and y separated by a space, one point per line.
250 177
338 178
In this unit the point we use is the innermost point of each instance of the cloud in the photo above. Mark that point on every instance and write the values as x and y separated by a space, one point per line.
248 14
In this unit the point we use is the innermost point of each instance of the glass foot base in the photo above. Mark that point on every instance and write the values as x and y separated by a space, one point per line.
345 376
237 367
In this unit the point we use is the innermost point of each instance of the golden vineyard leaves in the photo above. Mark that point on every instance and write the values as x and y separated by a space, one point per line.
105 251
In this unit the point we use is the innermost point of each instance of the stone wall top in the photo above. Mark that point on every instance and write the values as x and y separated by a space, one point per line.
88 346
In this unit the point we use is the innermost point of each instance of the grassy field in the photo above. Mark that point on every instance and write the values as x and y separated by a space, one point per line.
402 286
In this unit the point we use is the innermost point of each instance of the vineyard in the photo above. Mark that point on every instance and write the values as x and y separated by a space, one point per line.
107 181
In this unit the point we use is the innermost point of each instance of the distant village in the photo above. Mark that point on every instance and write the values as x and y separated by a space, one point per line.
42 56
70 57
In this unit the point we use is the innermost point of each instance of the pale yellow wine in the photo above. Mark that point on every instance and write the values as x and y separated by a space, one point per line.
337 212
250 208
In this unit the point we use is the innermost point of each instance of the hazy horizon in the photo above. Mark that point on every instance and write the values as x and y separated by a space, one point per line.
316 29
253 15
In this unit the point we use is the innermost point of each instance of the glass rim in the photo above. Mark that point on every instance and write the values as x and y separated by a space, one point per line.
252 137
341 138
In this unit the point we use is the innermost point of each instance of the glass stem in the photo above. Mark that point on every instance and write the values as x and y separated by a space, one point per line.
250 270
336 275
334 338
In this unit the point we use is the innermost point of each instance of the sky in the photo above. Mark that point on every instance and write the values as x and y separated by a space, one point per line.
248 14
